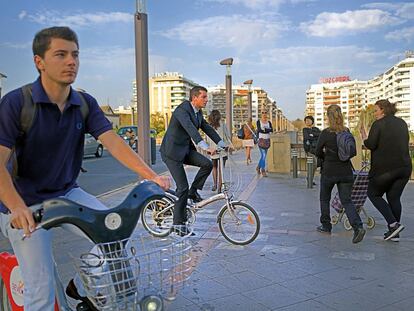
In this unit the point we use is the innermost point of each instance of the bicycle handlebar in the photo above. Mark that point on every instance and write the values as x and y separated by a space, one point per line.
110 225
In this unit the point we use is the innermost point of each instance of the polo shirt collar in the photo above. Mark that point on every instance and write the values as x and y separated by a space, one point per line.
39 95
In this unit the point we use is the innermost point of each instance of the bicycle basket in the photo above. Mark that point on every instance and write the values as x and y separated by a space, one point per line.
118 275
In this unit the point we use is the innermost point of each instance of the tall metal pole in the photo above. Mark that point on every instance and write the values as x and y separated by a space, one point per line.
141 63
249 98
229 105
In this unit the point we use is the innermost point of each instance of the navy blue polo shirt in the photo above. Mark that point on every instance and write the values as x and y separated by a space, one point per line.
50 157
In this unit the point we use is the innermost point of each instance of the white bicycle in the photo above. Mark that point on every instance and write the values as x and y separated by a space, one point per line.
238 222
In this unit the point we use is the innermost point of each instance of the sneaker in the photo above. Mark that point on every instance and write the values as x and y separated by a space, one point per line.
359 234
396 238
393 232
323 229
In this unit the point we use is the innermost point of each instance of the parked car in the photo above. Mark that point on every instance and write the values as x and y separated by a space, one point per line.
92 146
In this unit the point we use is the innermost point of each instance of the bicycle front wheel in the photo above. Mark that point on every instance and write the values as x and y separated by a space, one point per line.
240 225
157 216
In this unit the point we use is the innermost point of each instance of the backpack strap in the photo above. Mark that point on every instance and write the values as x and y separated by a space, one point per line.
28 111
84 108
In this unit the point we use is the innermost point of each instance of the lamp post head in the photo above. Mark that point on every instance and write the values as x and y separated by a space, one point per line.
227 61
249 84
2 75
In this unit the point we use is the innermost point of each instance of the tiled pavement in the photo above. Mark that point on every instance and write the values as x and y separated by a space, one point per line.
290 266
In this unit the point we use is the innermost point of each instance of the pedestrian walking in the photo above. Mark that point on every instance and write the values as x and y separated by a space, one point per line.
391 166
310 138
214 119
337 172
264 128
248 139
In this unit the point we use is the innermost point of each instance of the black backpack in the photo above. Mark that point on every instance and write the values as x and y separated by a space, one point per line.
27 116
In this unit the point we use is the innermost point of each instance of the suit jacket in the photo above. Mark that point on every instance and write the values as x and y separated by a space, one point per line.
182 130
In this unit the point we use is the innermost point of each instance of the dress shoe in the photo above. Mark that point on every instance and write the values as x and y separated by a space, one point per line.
195 197
182 230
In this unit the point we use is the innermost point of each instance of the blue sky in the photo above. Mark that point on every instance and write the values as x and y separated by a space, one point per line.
283 45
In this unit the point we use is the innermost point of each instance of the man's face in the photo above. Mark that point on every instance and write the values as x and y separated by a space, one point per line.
201 100
308 122
60 63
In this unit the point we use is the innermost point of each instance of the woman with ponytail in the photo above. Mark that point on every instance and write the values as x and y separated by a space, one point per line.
336 172
391 167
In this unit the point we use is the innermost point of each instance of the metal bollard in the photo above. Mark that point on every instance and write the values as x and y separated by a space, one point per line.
309 168
295 163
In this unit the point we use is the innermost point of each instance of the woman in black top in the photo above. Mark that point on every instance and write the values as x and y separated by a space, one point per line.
390 164
336 172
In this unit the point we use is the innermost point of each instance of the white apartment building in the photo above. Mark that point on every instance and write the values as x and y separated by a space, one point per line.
351 96
260 101
166 90
396 84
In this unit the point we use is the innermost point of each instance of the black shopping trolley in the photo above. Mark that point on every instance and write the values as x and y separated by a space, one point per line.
358 197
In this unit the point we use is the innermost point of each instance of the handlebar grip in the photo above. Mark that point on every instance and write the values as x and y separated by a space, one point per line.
38 215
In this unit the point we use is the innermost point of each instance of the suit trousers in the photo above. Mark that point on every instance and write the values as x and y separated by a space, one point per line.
177 171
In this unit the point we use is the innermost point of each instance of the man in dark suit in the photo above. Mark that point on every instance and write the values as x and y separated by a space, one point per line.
178 148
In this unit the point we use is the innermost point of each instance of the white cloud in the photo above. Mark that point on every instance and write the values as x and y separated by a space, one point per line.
260 4
76 20
22 14
315 59
406 11
329 24
404 34
403 9
228 31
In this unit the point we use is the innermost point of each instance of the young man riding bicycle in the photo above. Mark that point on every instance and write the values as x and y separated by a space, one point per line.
49 157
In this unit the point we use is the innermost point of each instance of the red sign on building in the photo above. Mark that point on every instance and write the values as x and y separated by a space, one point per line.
334 79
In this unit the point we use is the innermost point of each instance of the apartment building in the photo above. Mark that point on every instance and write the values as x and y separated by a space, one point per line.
395 84
351 96
260 102
166 90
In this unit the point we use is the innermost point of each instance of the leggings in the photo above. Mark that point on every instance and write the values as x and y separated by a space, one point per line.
391 183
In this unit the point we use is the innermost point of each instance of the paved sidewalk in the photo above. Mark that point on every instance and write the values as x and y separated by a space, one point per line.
290 266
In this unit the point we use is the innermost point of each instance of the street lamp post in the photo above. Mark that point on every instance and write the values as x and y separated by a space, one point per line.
2 76
249 98
229 106
141 63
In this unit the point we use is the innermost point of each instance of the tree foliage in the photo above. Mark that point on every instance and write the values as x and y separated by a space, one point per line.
157 122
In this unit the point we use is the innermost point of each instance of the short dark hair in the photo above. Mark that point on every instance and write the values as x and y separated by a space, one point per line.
41 41
386 106
310 118
195 91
